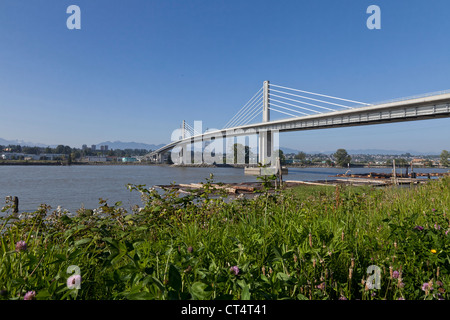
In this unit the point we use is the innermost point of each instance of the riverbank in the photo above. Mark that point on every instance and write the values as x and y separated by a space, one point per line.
146 163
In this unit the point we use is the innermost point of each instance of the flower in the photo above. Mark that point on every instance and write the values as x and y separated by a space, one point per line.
433 251
418 228
427 287
190 249
235 270
21 246
321 286
395 274
30 295
73 282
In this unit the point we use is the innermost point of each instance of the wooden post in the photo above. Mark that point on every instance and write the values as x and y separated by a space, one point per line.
394 173
16 205
279 171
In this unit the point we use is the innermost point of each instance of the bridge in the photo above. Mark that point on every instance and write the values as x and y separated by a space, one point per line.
300 110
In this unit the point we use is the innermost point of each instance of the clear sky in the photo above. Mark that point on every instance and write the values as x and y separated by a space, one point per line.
137 68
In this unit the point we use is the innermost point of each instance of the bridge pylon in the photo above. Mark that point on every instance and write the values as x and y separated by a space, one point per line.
265 136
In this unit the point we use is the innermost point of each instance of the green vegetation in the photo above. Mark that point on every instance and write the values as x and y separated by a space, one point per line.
444 158
72 153
303 243
342 157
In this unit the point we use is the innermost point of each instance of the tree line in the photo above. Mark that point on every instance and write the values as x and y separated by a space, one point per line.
74 153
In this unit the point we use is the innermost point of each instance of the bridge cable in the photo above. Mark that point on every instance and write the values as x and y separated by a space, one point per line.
293 105
322 95
244 107
251 116
248 110
278 106
327 102
310 104
256 105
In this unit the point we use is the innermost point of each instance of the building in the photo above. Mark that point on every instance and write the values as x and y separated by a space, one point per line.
23 156
129 159
418 162
95 159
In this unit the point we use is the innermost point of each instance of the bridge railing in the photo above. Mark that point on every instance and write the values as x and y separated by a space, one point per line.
418 96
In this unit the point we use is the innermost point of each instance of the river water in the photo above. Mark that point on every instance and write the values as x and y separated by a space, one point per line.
73 187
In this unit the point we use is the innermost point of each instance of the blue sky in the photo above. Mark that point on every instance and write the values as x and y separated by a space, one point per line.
136 68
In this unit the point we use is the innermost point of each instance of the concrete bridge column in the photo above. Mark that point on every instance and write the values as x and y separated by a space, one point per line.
265 137
265 147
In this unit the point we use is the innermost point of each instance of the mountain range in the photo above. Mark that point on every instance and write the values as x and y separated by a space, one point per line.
138 145
129 145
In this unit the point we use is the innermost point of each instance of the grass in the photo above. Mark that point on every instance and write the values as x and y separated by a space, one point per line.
302 243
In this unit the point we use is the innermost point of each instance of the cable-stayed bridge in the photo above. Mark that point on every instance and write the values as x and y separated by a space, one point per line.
288 109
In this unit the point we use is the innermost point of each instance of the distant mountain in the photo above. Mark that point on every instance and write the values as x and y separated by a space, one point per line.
289 150
111 145
129 145
22 143
365 151
389 152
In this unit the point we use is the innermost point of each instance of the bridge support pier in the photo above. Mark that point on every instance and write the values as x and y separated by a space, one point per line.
265 146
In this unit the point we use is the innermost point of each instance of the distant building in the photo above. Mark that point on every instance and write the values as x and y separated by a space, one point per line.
129 159
104 148
51 156
93 147
84 147
95 159
418 162
23 156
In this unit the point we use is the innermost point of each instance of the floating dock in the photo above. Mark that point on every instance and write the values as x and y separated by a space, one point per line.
261 171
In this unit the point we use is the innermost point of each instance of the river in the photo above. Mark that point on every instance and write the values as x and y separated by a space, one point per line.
73 187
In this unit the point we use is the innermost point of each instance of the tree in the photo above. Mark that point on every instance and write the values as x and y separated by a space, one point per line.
444 158
428 163
401 162
241 152
279 153
67 150
342 157
59 149
300 156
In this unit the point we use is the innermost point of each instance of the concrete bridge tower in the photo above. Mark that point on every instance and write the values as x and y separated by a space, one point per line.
265 136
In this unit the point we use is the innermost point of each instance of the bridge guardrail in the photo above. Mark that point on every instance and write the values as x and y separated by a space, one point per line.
424 95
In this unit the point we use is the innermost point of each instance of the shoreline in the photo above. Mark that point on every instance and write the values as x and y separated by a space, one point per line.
237 166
